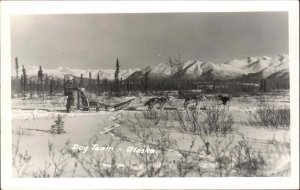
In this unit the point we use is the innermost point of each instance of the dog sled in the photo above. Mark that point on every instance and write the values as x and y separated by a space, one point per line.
77 100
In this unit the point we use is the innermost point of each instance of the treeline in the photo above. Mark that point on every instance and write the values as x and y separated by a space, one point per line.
42 84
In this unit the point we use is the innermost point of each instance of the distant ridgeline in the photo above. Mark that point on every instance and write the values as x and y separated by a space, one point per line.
252 74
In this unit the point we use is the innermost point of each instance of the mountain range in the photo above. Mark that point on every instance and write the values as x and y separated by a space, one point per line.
251 68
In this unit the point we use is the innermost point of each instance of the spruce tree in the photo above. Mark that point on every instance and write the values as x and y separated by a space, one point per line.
64 82
21 83
24 80
261 84
58 87
90 82
17 75
265 85
41 76
127 85
94 86
51 86
117 77
46 84
58 126
81 80
121 86
30 88
98 84
75 83
17 68
146 82
105 85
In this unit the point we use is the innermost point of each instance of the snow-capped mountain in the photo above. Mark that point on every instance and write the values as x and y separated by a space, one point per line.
248 68
159 71
276 67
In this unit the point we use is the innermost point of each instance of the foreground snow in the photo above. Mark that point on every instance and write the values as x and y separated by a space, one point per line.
34 124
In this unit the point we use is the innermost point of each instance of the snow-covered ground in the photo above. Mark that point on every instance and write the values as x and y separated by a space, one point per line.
34 122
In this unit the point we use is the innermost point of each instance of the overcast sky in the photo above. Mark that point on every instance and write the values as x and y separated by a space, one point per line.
140 40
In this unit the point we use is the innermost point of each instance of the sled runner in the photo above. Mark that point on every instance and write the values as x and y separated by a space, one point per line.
116 107
122 105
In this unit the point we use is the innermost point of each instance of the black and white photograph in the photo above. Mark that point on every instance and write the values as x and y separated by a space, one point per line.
158 94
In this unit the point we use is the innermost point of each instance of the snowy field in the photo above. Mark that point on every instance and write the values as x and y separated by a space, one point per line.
177 150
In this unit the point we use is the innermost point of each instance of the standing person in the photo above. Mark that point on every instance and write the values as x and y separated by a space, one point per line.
70 102
69 93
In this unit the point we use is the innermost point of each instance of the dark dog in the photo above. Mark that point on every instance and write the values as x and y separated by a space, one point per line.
192 99
156 100
224 99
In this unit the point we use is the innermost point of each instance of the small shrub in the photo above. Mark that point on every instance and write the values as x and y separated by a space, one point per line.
269 116
153 116
143 133
21 162
278 160
189 160
42 173
24 162
22 132
59 158
218 121
180 117
58 127
213 120
244 99
220 148
247 161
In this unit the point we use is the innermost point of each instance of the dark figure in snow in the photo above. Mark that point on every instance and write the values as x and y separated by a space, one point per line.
70 102
207 148
224 99
188 101
84 101
157 100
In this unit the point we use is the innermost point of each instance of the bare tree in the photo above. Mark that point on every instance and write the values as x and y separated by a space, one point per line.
176 61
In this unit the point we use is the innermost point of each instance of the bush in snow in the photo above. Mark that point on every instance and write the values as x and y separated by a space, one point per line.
213 120
217 121
269 116
21 162
247 161
58 127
